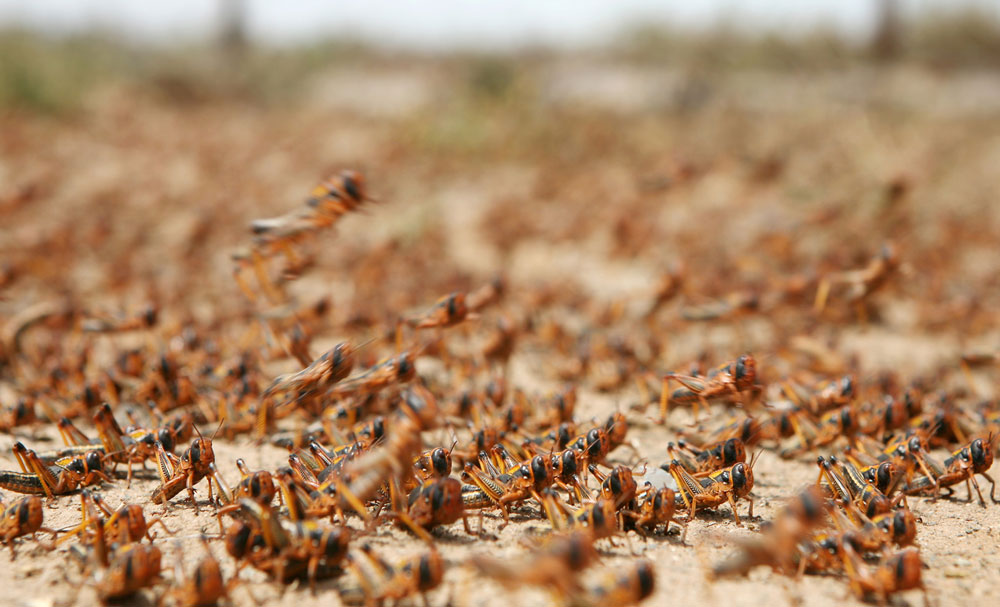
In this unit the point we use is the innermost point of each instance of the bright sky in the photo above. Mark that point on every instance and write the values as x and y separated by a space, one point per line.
446 23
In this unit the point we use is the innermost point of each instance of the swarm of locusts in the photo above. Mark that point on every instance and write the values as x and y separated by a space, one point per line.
415 423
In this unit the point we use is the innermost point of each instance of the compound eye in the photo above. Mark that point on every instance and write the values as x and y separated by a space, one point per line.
166 439
352 187
739 476
899 523
978 453
598 517
729 450
884 474
647 580
568 463
425 571
441 461
845 418
811 508
616 483
538 467
741 368
240 541
404 366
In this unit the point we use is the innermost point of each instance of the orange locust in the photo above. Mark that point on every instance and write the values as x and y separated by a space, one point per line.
187 471
724 382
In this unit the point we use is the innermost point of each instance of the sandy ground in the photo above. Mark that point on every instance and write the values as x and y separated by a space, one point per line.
623 126
957 542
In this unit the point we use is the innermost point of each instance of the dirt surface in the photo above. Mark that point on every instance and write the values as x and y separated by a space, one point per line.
581 185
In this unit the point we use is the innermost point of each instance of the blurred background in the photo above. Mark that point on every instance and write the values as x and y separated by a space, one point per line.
533 138
446 24
117 38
